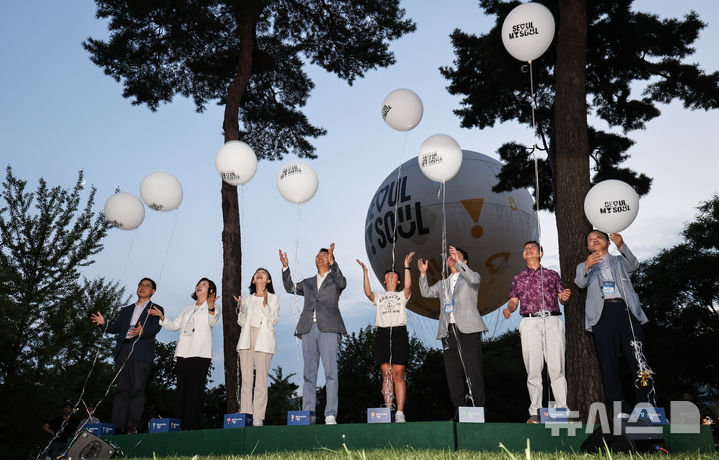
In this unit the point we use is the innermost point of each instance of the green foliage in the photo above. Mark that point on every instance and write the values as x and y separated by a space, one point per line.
280 397
635 61
427 393
48 344
680 291
159 49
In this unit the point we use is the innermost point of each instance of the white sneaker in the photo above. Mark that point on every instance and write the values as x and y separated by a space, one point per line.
257 422
330 420
399 417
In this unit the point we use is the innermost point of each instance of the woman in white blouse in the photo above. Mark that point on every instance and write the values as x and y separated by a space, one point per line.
194 350
259 313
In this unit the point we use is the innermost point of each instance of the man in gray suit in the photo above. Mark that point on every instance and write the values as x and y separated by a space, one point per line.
460 327
614 316
319 327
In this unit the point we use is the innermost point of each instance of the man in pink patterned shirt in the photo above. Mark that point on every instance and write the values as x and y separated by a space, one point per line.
538 292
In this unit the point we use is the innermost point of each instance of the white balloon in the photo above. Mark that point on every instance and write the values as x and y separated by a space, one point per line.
491 226
440 157
611 205
402 109
528 31
161 191
124 210
236 162
297 182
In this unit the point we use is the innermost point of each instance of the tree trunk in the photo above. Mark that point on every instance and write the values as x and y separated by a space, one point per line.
231 237
572 184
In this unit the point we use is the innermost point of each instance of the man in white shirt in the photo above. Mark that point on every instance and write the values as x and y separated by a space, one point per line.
320 326
460 327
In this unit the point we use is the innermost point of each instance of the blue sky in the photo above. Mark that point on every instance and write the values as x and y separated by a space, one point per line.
59 113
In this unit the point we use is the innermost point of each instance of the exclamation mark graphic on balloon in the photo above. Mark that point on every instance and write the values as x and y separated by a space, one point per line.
474 208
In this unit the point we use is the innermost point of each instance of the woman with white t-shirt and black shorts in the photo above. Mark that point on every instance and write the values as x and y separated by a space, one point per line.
392 340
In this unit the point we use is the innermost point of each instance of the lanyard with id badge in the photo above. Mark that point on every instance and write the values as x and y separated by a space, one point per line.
609 288
189 328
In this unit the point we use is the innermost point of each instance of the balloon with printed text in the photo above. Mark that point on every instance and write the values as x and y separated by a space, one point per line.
161 191
402 109
440 157
236 162
124 211
405 215
527 31
297 182
611 205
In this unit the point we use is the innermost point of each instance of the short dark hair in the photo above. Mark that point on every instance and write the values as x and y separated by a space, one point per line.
212 288
604 235
464 254
541 249
253 288
323 250
154 285
392 270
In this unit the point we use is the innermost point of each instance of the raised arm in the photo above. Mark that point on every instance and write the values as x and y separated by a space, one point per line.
335 272
290 286
629 260
424 288
408 275
465 272
367 289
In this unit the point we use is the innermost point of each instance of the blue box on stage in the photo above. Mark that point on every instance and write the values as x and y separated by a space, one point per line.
238 420
164 425
301 417
379 415
653 415
100 429
469 414
553 415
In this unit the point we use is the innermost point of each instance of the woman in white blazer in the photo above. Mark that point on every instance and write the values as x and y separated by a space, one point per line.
259 313
193 351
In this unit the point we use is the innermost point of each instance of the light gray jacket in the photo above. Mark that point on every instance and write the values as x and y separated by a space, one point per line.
592 280
325 301
466 315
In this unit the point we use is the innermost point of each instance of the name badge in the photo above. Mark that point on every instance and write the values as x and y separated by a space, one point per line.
448 305
189 328
608 288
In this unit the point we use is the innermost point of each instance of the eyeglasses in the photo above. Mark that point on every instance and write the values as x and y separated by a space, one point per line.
145 285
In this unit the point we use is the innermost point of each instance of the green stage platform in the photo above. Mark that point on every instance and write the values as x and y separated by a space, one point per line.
447 436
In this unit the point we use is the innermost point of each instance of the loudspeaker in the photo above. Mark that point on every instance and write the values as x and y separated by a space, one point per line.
626 442
88 446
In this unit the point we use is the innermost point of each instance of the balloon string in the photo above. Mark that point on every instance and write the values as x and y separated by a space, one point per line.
129 253
296 299
396 201
169 243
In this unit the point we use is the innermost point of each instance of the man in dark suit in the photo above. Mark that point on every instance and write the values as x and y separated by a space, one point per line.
134 353
319 327
460 327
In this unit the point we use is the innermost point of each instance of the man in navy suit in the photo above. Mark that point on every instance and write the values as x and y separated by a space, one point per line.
320 326
134 353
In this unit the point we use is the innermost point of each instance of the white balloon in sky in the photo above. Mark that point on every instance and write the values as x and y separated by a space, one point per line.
402 109
440 157
236 162
124 210
528 31
297 182
161 191
611 205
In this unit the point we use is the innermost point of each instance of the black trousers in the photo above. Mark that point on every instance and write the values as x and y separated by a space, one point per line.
130 397
191 378
470 347
612 340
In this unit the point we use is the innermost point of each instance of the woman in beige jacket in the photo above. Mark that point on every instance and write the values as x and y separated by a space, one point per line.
259 312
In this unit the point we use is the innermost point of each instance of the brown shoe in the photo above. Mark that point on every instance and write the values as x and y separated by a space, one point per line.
534 419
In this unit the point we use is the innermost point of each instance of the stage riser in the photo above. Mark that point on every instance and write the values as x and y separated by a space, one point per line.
418 435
